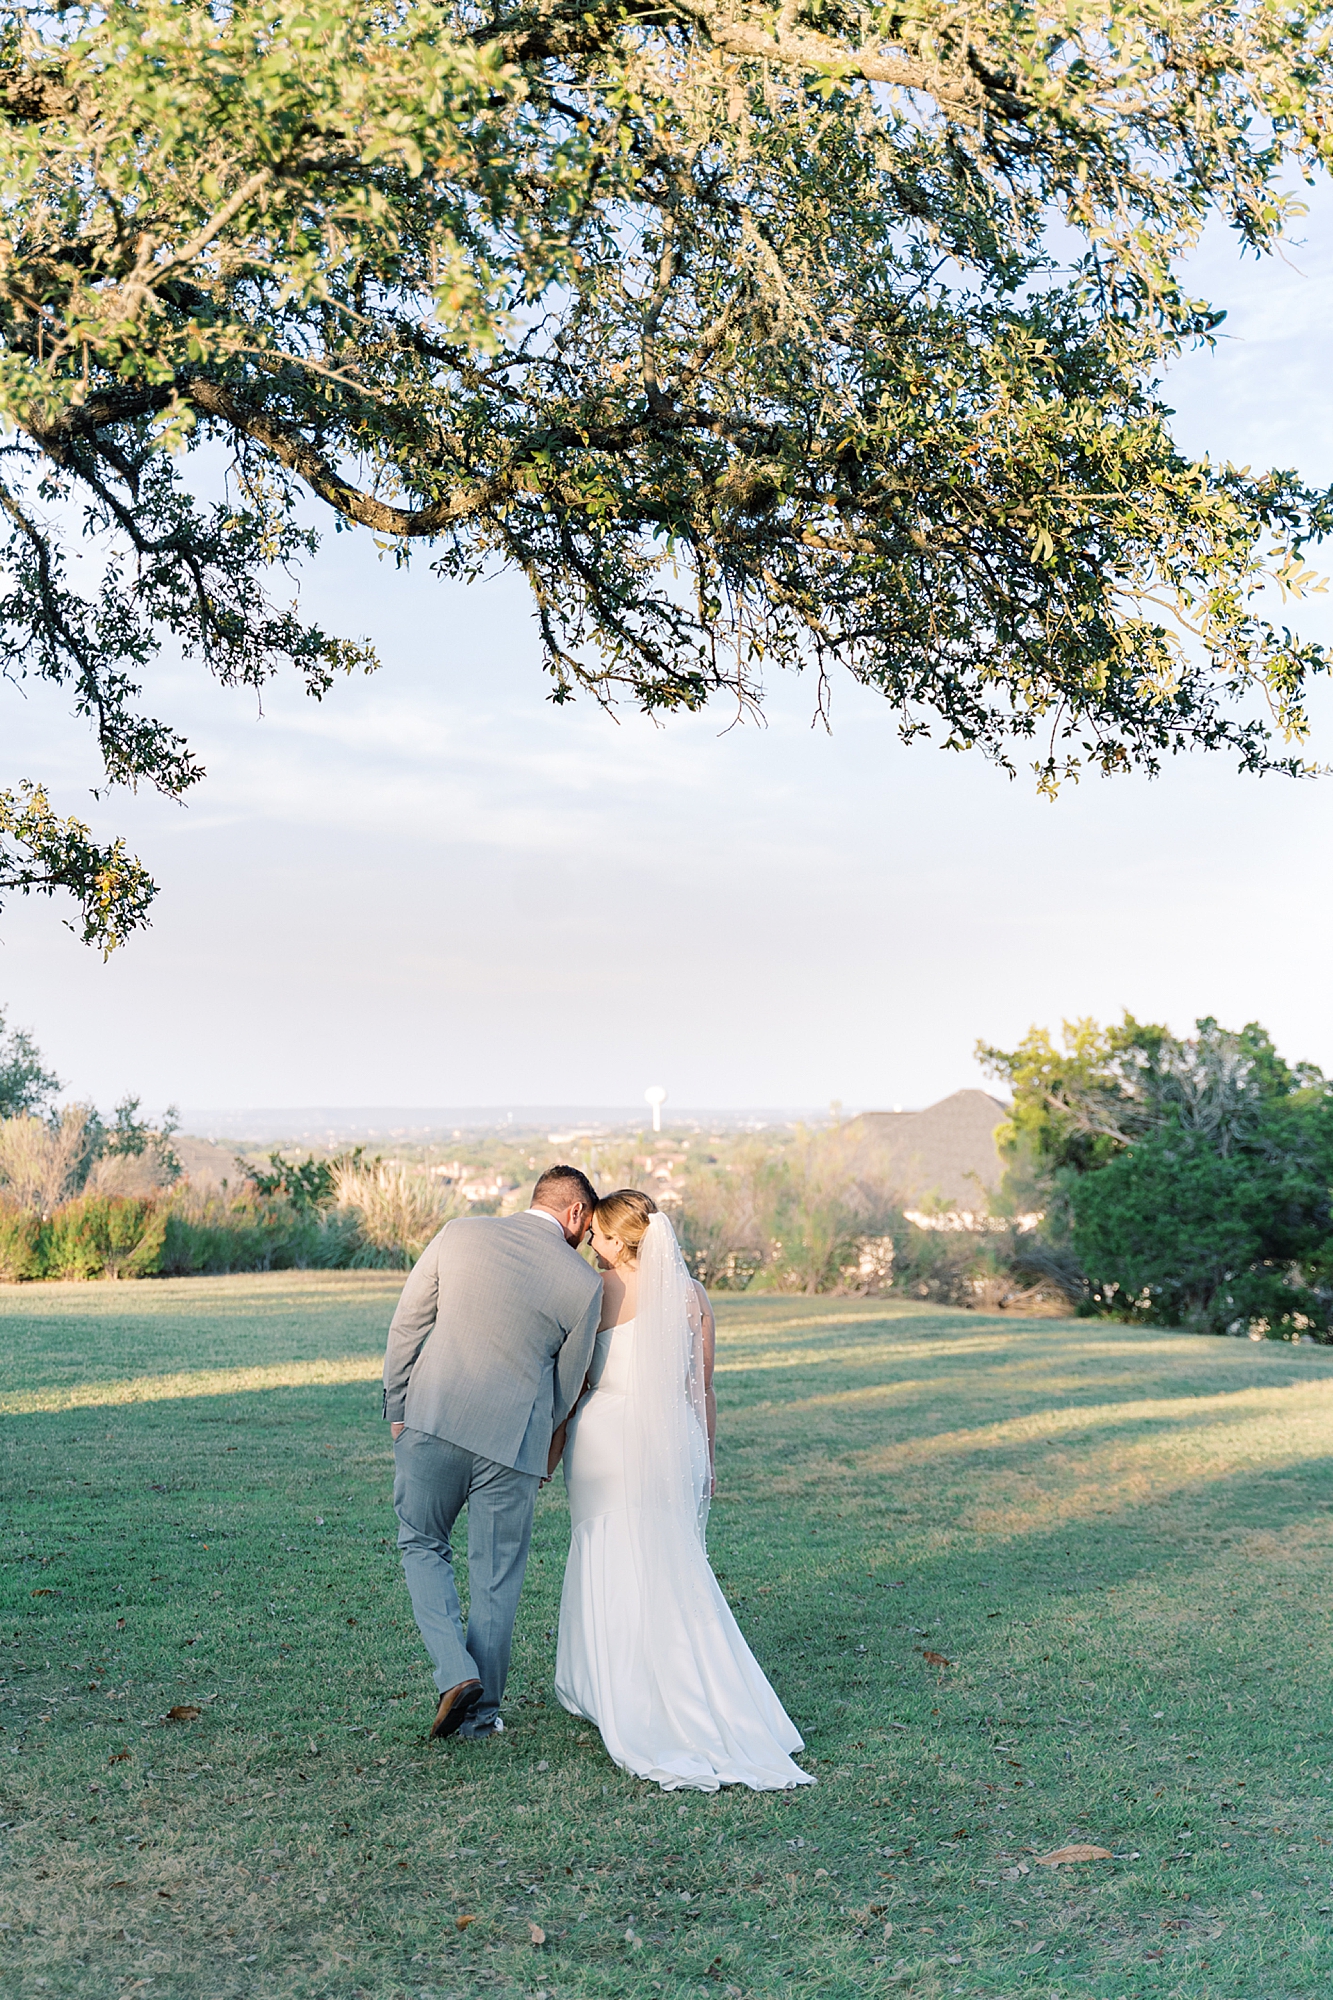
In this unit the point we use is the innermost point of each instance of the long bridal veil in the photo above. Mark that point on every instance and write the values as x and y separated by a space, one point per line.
712 1716
666 1425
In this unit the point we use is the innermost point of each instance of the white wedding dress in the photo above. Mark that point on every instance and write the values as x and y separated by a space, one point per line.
648 1648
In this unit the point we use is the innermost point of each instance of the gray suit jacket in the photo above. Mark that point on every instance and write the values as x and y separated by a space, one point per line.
492 1337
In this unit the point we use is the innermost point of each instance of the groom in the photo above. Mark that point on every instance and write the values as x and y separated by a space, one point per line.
487 1353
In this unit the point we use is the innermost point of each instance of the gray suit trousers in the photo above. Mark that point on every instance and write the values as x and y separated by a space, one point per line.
433 1481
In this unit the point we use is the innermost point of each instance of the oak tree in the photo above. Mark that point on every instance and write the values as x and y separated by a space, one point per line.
818 335
1185 1180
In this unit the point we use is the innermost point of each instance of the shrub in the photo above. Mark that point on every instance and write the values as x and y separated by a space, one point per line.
42 1163
719 1225
21 1245
308 1184
394 1213
211 1234
382 1218
816 1217
1175 1233
103 1236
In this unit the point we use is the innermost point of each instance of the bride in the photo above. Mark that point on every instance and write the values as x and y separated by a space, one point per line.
648 1648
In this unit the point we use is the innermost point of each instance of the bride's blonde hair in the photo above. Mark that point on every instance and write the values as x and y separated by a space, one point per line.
625 1215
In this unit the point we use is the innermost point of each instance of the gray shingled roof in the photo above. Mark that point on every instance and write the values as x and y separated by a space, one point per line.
943 1151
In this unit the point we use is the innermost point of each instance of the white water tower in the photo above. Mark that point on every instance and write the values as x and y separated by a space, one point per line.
656 1096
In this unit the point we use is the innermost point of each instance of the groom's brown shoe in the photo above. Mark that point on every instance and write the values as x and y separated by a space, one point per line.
456 1705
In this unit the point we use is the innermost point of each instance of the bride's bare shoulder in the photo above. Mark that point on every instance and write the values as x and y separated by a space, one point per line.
613 1298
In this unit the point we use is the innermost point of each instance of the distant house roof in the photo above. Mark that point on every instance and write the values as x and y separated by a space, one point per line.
943 1151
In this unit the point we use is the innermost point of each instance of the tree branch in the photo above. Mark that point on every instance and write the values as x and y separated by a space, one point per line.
213 400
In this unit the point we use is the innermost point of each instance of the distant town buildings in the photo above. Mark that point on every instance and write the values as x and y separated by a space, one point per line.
662 1169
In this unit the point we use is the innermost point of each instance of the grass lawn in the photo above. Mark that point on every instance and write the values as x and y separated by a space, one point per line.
1121 1543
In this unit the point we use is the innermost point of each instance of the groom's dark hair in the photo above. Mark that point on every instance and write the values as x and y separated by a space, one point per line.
561 1187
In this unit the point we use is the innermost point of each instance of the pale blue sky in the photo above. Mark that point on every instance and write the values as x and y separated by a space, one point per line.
436 889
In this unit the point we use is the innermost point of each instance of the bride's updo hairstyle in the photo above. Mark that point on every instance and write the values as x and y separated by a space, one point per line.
625 1215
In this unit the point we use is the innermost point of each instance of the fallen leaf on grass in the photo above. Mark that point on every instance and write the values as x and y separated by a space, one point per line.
936 1660
184 1711
461 1923
536 1933
1059 1857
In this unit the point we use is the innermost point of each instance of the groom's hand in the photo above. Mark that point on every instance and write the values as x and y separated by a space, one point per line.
396 1431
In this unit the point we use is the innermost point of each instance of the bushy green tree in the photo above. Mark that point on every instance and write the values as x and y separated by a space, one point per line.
129 1137
825 333
1190 1178
309 1185
1176 1232
26 1085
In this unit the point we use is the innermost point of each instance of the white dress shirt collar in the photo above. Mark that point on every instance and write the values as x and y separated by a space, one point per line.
547 1216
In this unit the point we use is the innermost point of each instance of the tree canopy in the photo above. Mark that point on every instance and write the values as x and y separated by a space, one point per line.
1191 1178
819 335
27 1087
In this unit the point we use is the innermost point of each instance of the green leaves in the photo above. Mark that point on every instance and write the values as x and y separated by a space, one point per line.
40 853
1174 1231
1195 1172
27 1087
739 333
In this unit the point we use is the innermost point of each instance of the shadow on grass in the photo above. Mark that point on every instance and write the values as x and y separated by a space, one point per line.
1120 1543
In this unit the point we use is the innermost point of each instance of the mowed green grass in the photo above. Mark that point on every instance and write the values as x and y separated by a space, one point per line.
1121 1542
